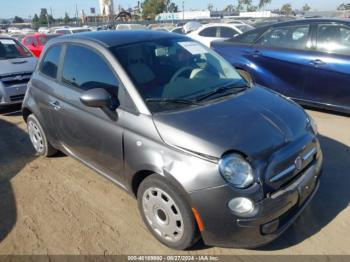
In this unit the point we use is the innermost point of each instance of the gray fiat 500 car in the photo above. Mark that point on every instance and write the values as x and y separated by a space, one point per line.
16 66
174 124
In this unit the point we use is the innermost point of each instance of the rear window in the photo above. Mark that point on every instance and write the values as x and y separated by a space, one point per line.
80 31
10 49
44 39
49 65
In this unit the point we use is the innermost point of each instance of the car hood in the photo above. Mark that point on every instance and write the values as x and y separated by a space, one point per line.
255 122
17 65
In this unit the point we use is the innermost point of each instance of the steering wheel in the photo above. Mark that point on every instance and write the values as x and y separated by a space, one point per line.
179 72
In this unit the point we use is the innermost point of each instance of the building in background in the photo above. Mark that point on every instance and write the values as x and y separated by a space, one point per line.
106 7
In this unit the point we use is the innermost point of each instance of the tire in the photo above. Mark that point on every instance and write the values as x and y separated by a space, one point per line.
246 75
167 211
38 137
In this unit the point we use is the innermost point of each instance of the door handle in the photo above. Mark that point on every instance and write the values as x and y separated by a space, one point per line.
317 62
55 105
256 53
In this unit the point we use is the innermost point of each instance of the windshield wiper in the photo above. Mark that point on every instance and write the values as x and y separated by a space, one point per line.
232 87
172 100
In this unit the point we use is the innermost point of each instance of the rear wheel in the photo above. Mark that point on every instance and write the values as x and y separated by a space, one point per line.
166 213
38 137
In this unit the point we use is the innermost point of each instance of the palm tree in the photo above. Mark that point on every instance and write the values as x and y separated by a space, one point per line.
247 3
286 9
263 3
306 8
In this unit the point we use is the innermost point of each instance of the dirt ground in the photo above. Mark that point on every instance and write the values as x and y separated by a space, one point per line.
58 206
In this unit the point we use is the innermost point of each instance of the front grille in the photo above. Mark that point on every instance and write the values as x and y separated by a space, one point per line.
15 79
289 162
17 98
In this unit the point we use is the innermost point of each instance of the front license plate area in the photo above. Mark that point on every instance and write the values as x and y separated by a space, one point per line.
306 188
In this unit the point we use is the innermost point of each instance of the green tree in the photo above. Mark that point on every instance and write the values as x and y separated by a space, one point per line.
210 7
150 8
66 18
246 3
44 17
18 19
263 3
344 6
229 8
306 8
286 9
173 8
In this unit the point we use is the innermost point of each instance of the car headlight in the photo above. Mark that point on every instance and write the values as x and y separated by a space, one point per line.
313 125
236 170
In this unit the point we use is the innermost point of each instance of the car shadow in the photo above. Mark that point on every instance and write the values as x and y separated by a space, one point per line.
332 197
15 152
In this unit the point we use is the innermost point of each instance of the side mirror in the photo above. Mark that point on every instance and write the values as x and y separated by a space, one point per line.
97 97
100 98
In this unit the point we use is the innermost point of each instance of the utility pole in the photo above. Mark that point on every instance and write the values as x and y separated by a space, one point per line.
76 13
183 10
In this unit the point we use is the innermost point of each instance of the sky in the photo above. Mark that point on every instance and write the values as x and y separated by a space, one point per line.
27 8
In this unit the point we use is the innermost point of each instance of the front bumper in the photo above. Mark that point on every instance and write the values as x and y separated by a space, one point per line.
12 94
276 212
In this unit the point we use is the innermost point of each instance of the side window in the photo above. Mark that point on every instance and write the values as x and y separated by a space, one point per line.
208 32
49 64
227 32
247 38
84 69
293 37
28 41
333 39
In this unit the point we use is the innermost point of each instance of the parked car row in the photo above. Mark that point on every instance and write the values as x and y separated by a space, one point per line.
307 60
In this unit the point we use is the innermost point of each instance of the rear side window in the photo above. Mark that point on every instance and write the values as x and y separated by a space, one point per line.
292 37
247 38
227 32
85 69
333 39
208 32
49 64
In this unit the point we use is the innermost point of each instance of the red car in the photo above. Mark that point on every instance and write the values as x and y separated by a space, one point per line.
35 42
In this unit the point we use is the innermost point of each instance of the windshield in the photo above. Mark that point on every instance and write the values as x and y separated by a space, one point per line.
44 39
10 49
170 69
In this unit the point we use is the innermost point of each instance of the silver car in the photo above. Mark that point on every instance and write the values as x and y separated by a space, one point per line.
16 67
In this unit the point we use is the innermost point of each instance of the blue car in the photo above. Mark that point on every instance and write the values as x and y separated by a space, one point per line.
307 60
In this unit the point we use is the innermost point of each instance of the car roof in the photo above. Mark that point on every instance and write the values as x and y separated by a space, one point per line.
118 38
310 20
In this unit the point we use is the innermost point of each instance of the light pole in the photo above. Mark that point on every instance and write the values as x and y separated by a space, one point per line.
183 10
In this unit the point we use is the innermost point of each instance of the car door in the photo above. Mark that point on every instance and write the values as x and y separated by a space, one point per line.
46 90
85 132
32 44
328 80
282 57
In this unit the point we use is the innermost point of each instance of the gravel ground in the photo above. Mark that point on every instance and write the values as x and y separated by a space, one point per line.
58 206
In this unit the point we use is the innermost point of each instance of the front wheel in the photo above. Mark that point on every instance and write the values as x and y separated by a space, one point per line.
166 213
38 137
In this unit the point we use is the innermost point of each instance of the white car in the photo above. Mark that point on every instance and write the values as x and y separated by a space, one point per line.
211 32
130 27
71 30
